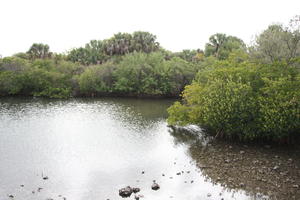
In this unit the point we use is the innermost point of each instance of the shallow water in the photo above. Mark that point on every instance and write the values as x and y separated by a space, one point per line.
90 148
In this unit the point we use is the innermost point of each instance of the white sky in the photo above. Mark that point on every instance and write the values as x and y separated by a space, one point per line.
178 24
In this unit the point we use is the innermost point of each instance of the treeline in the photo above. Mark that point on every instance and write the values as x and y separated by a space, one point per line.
233 90
124 65
248 95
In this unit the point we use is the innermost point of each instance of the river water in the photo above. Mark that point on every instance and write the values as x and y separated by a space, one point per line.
90 148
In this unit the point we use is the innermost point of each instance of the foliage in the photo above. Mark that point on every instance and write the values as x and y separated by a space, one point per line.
243 101
221 45
96 79
277 43
100 51
39 50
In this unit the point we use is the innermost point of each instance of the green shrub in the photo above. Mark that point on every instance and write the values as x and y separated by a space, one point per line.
248 103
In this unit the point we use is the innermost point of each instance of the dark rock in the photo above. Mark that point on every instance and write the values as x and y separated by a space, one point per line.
11 196
179 173
208 195
39 189
136 190
192 181
295 186
21 185
155 186
137 197
45 177
143 172
125 192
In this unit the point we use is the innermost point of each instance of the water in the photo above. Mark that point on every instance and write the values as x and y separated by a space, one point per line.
90 148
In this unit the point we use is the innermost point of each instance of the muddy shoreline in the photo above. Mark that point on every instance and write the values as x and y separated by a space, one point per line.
263 172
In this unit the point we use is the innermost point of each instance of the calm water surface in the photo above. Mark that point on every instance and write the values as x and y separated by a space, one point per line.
90 148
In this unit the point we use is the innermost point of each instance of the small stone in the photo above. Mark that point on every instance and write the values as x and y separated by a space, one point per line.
155 186
21 185
192 181
163 174
227 161
242 152
39 189
188 172
136 190
276 167
242 184
143 172
178 173
125 192
295 186
11 196
208 195
45 177
171 177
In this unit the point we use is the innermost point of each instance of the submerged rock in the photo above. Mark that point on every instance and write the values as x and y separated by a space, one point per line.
155 186
136 190
125 192
137 197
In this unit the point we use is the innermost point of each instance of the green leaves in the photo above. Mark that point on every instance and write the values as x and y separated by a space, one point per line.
245 102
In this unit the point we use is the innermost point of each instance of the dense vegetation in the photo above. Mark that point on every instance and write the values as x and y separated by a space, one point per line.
232 90
124 65
248 95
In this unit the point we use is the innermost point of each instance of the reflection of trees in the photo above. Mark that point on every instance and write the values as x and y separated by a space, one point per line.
272 172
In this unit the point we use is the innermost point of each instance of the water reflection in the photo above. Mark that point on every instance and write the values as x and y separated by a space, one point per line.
90 148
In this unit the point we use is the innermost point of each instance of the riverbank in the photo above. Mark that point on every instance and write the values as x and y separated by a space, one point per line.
260 171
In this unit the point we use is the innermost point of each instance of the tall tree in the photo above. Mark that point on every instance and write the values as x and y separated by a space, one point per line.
220 45
278 43
39 50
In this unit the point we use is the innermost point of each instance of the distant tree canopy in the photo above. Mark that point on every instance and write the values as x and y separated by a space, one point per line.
98 51
278 43
39 50
221 45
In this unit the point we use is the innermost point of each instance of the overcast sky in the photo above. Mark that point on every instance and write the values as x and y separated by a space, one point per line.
178 24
